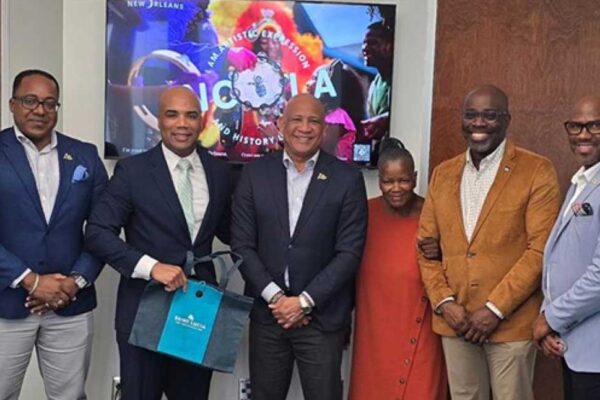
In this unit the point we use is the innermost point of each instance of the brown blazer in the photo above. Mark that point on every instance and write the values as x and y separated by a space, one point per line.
503 261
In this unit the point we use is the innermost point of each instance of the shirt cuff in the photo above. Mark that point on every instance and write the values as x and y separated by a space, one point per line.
490 306
269 291
143 268
437 308
310 299
16 282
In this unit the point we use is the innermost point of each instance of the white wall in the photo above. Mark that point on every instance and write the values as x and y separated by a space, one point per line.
67 38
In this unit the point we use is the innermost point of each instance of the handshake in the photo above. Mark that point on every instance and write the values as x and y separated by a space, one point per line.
48 292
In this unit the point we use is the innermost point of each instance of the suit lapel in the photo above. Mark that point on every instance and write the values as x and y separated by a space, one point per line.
15 153
454 200
66 164
210 182
505 169
560 220
318 183
589 188
160 172
278 187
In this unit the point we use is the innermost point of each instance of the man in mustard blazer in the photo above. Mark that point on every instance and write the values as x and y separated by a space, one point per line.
491 211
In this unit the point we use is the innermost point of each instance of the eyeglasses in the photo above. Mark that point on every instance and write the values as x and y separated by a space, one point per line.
487 115
574 128
32 102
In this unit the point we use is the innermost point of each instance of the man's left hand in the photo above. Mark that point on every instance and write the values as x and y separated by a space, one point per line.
483 323
287 311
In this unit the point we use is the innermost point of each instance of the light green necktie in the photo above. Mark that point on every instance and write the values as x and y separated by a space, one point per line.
184 192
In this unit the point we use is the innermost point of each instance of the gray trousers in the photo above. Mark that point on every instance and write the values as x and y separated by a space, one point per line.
63 347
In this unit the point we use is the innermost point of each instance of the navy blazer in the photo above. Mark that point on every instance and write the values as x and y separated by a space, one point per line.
27 241
141 198
324 252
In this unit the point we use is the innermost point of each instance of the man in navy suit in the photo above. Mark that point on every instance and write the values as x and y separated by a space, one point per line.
569 323
170 200
48 183
299 220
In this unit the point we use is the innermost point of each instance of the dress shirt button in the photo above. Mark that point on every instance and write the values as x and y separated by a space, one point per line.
419 320
407 361
402 381
413 340
469 254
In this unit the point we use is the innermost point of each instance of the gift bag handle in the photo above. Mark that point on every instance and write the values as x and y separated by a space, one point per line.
226 273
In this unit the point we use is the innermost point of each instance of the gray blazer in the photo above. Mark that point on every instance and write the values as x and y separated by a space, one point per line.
571 279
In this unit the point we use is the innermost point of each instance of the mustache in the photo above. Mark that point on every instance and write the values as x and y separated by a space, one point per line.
472 129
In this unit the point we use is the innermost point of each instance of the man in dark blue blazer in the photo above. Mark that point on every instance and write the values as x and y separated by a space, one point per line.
299 220
48 183
170 200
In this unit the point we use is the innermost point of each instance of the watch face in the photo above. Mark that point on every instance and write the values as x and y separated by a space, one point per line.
261 87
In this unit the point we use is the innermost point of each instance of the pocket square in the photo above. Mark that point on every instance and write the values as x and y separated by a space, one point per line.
321 177
80 174
582 209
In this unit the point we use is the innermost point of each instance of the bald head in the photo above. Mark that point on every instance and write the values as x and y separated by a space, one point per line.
179 120
177 92
496 95
304 100
583 128
589 105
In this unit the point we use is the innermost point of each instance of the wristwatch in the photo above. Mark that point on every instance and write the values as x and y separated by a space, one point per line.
305 305
80 281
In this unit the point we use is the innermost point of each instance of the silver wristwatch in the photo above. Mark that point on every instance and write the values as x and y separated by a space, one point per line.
80 281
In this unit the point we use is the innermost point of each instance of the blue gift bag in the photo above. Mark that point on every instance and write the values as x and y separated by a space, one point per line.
203 325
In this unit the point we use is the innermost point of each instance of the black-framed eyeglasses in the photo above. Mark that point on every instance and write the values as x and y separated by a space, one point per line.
32 102
574 128
487 115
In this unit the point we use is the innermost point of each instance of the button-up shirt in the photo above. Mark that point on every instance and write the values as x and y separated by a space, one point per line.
200 198
476 184
46 173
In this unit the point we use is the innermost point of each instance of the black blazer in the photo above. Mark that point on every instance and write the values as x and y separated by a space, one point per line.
141 198
324 252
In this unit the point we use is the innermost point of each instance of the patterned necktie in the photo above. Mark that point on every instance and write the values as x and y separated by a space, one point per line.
184 192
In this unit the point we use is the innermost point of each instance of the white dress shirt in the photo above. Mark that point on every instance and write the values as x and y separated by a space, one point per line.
46 172
297 186
200 198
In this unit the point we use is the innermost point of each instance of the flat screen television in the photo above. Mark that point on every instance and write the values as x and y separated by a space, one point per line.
245 60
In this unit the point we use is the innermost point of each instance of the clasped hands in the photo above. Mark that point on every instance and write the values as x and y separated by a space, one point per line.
546 339
474 328
53 291
288 313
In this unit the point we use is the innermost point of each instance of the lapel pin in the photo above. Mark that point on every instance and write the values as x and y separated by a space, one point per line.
68 157
321 177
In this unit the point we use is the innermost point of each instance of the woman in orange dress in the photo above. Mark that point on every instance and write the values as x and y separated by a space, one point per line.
396 355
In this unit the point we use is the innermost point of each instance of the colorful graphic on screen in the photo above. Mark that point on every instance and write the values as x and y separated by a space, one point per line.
245 60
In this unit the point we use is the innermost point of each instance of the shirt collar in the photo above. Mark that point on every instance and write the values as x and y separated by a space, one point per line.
310 164
25 140
585 175
172 159
493 158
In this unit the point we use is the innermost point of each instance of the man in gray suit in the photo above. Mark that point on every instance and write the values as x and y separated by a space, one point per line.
569 322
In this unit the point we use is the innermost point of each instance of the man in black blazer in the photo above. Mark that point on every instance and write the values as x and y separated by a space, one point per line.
299 220
171 199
